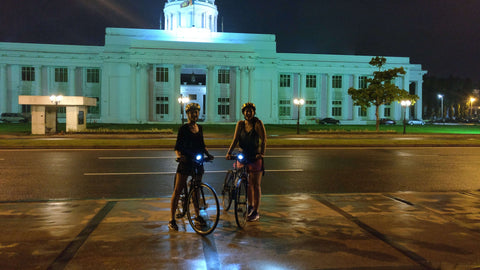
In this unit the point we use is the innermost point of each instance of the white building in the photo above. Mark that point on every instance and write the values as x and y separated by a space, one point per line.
139 74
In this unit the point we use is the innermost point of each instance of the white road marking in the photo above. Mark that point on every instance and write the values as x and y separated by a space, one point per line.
116 158
167 173
173 157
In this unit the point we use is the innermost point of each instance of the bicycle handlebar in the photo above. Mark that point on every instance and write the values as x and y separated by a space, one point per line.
199 158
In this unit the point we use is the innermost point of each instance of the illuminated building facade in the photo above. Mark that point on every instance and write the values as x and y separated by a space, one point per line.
139 74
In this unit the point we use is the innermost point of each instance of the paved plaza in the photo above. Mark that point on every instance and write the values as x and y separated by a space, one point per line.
298 231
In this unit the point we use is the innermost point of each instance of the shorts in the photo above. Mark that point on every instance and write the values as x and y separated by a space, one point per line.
254 167
187 168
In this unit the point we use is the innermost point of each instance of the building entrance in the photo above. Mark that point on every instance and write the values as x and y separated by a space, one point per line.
193 86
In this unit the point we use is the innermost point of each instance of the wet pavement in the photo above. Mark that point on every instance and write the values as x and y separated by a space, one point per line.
407 230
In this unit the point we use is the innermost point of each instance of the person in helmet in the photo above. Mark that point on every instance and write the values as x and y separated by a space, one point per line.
189 143
251 137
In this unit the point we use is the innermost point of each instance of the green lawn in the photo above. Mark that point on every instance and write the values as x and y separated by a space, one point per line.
277 130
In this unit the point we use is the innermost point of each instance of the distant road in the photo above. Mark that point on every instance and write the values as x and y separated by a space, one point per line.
93 174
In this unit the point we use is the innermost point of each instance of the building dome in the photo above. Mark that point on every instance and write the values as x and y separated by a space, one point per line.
187 14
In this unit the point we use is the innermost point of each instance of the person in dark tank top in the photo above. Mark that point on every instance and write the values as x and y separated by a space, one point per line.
189 143
251 137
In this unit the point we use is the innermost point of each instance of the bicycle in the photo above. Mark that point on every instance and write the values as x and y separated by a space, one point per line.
235 187
199 201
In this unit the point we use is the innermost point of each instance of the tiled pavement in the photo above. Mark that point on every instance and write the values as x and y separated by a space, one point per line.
297 231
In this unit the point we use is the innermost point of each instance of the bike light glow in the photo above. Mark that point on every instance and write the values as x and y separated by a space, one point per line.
240 157
198 157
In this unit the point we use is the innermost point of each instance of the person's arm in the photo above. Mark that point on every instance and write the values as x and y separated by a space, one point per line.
203 146
179 145
260 129
234 141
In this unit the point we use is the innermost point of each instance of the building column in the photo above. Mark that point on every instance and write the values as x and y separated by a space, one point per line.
251 83
71 81
134 68
233 93
177 114
210 117
418 104
242 95
347 114
142 104
355 109
302 94
37 91
3 87
329 95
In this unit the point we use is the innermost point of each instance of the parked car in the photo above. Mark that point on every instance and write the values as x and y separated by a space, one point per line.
416 122
328 120
13 117
386 121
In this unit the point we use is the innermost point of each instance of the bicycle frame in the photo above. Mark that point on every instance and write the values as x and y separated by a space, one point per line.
195 193
240 184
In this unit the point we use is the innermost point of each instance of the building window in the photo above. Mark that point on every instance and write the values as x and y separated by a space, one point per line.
337 81
284 80
362 82
161 74
284 108
311 81
61 75
224 76
162 105
336 108
311 108
93 75
224 106
386 112
28 74
362 112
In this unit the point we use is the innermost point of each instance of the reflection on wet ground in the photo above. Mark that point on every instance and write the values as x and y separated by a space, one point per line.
297 231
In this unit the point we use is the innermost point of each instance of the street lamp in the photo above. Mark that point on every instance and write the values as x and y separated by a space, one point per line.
299 103
471 103
56 100
183 100
440 96
405 104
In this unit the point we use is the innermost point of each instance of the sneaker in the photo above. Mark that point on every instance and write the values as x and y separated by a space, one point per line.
200 221
254 216
172 225
250 210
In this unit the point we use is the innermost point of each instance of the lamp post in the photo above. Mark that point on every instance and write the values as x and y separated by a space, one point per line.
471 105
299 103
440 96
56 100
405 104
183 100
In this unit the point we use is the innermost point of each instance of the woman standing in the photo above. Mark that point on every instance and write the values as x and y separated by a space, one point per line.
189 143
251 137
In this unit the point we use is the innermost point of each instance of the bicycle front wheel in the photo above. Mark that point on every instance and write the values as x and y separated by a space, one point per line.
203 210
241 203
228 190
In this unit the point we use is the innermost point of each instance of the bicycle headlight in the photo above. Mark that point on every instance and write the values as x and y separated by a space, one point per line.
240 157
199 157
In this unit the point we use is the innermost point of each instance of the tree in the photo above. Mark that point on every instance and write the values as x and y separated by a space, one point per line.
381 89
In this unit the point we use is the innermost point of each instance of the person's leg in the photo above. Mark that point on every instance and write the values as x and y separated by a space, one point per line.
256 190
179 186
255 182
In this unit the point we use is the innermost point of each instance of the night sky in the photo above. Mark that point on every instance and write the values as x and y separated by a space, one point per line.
441 35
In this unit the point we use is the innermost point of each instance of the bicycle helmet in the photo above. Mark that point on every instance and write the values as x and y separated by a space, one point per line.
248 105
192 106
